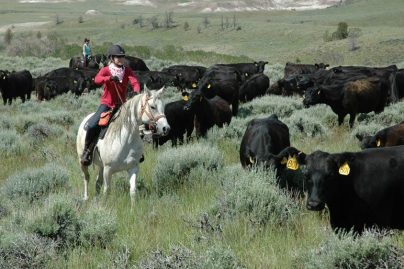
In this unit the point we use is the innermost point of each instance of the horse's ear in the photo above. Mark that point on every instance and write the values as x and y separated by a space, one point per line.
146 90
160 91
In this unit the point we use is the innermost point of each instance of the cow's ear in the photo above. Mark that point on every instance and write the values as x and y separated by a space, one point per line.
379 141
255 63
340 164
317 66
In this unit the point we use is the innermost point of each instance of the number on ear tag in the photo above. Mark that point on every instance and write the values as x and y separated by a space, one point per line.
292 163
344 169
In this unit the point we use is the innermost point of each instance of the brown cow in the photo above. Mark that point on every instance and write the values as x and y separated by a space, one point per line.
387 137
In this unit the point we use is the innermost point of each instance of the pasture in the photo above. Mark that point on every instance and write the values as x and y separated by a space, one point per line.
192 210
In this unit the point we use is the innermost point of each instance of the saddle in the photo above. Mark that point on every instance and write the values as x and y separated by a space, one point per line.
105 119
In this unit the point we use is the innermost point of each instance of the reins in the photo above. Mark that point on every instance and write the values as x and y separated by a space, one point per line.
143 109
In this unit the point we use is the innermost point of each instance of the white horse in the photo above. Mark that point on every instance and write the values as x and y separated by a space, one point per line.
121 148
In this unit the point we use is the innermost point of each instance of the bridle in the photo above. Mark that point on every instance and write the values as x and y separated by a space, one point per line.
152 119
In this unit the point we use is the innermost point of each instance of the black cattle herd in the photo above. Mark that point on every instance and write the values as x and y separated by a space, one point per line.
361 189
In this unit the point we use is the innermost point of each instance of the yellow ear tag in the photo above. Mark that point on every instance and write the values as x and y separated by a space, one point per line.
318 93
246 74
75 82
185 98
252 160
292 163
193 85
344 169
378 142
209 86
284 160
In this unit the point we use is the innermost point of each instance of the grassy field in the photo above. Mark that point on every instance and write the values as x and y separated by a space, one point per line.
41 184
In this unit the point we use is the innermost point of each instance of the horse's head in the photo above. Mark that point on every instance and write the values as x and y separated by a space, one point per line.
152 112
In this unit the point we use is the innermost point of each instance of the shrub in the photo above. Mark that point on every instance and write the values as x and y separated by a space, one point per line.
255 195
98 226
22 250
39 132
11 144
342 31
312 122
371 250
178 257
33 184
271 104
174 166
181 257
57 220
220 258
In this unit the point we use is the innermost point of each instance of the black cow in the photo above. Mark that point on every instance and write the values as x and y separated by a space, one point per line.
361 189
89 76
94 62
343 74
400 83
255 86
387 137
181 121
187 77
136 64
247 69
262 139
62 80
353 97
208 112
15 84
155 80
222 81
298 69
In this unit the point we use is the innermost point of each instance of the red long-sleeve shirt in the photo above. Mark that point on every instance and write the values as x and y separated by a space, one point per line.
110 96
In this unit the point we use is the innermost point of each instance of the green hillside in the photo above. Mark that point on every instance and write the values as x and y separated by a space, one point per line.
276 36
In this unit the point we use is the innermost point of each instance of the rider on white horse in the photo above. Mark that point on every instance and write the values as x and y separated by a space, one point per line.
115 78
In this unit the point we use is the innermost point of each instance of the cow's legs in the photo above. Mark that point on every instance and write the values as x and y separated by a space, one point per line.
234 106
341 118
352 119
107 173
86 180
132 181
100 180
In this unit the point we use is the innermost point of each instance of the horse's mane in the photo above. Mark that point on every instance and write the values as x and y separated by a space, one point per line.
125 115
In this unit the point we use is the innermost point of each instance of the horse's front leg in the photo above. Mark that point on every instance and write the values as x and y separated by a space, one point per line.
100 180
107 173
86 180
132 181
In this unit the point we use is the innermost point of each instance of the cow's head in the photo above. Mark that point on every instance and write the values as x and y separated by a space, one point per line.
312 96
260 66
369 141
304 81
195 98
321 66
323 174
3 77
